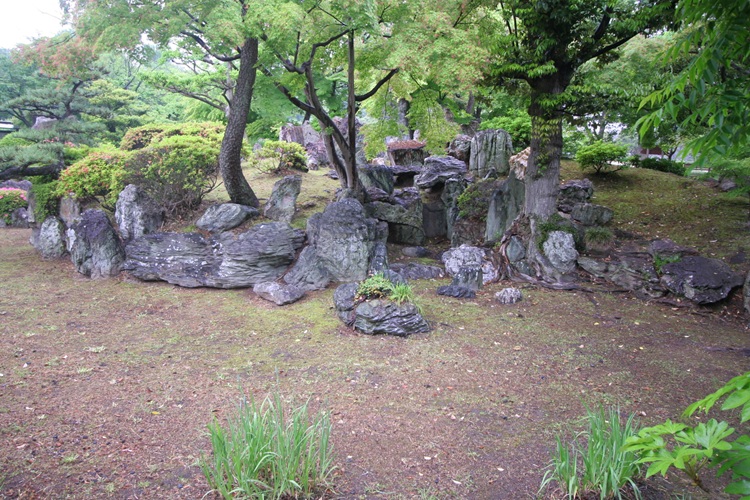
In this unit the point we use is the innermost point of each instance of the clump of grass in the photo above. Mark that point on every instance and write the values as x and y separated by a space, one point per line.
595 461
598 239
265 454
662 260
379 286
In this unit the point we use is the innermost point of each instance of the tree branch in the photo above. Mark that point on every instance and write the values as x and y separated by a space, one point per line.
207 49
363 97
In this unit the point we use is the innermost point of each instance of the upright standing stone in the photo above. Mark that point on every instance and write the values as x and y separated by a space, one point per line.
282 202
94 246
136 213
490 152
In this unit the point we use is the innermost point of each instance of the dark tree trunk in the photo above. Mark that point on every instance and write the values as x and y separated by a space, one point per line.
230 156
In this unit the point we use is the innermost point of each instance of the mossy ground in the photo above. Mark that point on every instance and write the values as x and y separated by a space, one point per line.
124 375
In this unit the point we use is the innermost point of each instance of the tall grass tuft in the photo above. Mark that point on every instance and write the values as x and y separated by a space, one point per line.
264 454
595 461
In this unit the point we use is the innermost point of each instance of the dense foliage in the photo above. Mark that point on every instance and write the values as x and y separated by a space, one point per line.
11 199
602 157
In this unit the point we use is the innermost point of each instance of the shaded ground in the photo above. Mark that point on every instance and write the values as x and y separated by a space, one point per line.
107 386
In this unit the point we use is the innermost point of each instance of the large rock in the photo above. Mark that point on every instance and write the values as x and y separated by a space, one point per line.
136 213
49 240
469 256
377 316
95 248
13 184
345 239
700 279
505 205
282 202
406 153
414 271
509 296
280 295
456 291
560 249
574 192
225 216
301 134
490 152
438 170
452 190
631 271
258 255
460 148
69 210
308 272
404 217
589 214
377 176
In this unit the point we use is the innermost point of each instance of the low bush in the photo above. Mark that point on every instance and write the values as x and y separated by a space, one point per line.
596 462
378 286
46 197
602 157
176 171
660 164
100 175
141 137
11 199
264 453
282 155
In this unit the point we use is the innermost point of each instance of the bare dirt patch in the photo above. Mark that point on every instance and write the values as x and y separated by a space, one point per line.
107 386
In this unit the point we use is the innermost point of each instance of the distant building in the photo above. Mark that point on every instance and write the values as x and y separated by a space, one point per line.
6 128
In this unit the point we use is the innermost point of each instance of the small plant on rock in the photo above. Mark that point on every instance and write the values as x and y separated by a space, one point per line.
378 286
598 239
662 260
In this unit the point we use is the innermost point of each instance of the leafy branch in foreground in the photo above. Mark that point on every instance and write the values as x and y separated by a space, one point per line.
690 449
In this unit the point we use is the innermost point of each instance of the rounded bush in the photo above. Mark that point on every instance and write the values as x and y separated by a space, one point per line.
285 156
99 175
602 157
663 165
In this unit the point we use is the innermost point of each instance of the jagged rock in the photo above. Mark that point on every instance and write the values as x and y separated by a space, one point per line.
560 249
378 177
378 258
574 192
589 214
308 273
136 213
258 255
301 134
49 240
438 170
726 184
225 216
13 184
434 217
375 317
469 277
403 176
460 148
515 250
415 252
43 123
281 204
280 295
94 246
505 205
509 296
469 256
452 190
490 154
404 218
666 248
345 239
632 271
518 163
69 210
406 153
457 291
700 279
413 271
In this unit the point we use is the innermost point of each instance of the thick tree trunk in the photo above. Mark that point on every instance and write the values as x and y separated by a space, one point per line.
230 156
350 153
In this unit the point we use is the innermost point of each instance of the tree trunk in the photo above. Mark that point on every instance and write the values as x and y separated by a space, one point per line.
350 153
230 156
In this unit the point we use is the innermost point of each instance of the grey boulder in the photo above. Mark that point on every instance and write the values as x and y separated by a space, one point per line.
136 213
95 249
700 279
280 295
225 216
283 200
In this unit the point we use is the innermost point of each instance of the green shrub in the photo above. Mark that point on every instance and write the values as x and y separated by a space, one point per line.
11 199
73 154
264 453
375 287
662 165
596 461
140 137
284 156
46 198
176 171
518 125
602 157
13 140
474 202
100 175
690 449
